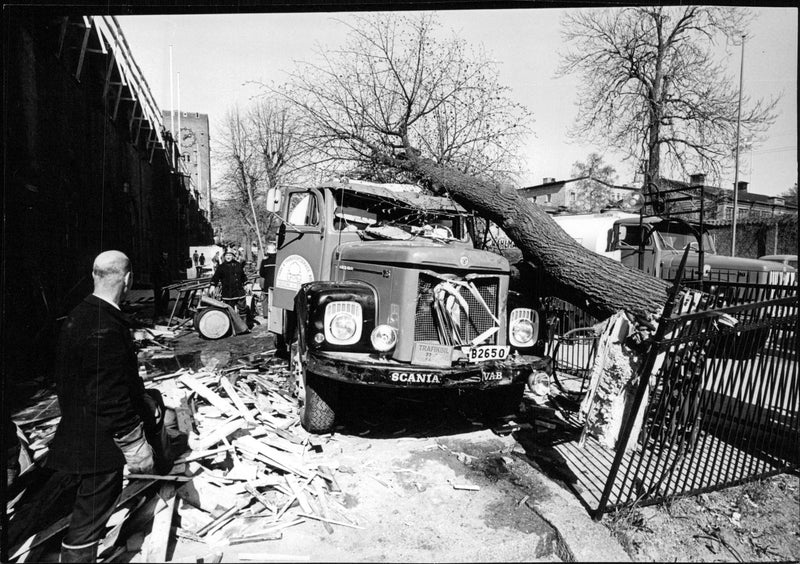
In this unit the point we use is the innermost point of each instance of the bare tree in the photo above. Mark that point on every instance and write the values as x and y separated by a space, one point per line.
244 166
377 108
594 187
653 88
261 148
396 83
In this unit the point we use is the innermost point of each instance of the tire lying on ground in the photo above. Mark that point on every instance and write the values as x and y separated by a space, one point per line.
212 323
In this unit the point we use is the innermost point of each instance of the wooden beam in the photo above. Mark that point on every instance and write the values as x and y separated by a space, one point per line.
156 543
63 35
237 401
116 104
107 82
203 391
84 43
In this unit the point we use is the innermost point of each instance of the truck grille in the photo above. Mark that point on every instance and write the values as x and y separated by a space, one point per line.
471 326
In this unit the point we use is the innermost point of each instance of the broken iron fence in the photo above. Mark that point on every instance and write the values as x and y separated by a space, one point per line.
720 400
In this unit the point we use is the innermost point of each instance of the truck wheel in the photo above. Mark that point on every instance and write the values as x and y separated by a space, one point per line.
319 411
212 323
502 401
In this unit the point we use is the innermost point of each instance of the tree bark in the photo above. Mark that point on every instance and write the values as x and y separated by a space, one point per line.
596 283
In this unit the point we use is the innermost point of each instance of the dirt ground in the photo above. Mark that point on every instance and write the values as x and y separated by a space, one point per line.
754 522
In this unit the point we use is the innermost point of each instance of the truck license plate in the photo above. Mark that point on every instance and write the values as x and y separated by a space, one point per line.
488 352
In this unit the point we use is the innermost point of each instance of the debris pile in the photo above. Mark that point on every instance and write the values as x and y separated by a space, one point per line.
250 473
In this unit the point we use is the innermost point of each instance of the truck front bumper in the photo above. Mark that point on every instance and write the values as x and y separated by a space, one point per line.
372 370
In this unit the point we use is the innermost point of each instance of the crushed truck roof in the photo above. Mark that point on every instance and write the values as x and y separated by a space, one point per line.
409 194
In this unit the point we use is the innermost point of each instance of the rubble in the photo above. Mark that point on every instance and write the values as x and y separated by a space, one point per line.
250 473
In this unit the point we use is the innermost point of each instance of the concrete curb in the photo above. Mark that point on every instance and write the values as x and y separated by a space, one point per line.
580 538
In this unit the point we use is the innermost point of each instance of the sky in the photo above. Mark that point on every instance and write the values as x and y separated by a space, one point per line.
220 57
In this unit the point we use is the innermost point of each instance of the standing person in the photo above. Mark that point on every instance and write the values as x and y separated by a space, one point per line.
106 415
230 275
215 260
195 257
202 265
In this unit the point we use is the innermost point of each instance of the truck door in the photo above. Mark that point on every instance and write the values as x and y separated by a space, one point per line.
300 245
629 238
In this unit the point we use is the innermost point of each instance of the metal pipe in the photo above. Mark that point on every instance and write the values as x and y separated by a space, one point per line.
736 172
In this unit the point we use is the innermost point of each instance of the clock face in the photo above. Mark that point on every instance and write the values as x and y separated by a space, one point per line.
188 138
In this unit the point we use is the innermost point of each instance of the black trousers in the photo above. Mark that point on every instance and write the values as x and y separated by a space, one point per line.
95 501
97 493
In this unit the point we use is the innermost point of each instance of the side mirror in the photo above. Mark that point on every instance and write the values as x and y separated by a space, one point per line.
273 200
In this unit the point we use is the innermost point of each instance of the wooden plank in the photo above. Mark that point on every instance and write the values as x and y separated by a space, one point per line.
342 523
323 504
237 400
326 473
212 397
227 428
298 493
155 544
282 459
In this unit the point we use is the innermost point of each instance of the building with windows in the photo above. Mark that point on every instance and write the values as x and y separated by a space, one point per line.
194 145
559 195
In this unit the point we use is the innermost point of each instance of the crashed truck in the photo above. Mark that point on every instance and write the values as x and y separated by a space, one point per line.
380 285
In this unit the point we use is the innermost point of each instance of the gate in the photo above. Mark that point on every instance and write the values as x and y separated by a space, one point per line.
719 402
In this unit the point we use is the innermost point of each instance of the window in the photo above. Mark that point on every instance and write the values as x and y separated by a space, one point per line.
547 198
630 235
302 209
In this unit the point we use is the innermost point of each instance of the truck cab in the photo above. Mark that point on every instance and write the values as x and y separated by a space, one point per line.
661 244
380 285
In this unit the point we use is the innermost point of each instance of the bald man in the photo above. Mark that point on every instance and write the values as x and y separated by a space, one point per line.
104 410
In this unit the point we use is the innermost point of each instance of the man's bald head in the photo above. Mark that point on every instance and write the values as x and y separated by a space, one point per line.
111 273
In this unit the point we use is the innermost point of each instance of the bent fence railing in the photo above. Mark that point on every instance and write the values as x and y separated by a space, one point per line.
717 401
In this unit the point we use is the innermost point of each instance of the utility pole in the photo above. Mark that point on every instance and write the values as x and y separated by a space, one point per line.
736 172
171 111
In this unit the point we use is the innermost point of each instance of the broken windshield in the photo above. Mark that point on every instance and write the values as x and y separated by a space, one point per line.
377 217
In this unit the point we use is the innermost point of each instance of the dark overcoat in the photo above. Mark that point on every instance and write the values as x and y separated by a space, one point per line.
232 277
99 389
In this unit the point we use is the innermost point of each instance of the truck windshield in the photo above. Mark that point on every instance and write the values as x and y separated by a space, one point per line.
677 238
380 218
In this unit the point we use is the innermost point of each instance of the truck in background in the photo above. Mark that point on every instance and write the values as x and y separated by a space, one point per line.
656 245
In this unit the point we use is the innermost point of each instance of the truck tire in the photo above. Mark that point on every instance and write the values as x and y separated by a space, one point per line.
212 323
502 401
318 413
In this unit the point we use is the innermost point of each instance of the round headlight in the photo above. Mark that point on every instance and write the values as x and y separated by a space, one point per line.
383 338
343 326
522 331
539 383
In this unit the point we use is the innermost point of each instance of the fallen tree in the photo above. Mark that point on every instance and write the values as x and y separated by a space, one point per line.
374 102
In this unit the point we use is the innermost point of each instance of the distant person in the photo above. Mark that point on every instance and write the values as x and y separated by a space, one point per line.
215 260
107 417
230 276
196 258
200 268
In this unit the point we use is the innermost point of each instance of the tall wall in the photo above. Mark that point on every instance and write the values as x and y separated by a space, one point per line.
77 180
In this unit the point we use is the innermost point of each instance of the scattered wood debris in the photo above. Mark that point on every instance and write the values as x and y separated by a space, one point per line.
250 473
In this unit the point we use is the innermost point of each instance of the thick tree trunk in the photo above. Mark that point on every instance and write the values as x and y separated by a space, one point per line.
599 284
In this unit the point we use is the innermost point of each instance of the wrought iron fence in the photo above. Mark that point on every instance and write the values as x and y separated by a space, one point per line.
718 404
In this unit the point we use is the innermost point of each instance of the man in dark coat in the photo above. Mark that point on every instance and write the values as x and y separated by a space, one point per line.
230 275
104 408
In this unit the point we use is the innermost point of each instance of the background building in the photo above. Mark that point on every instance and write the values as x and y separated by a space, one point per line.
195 153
